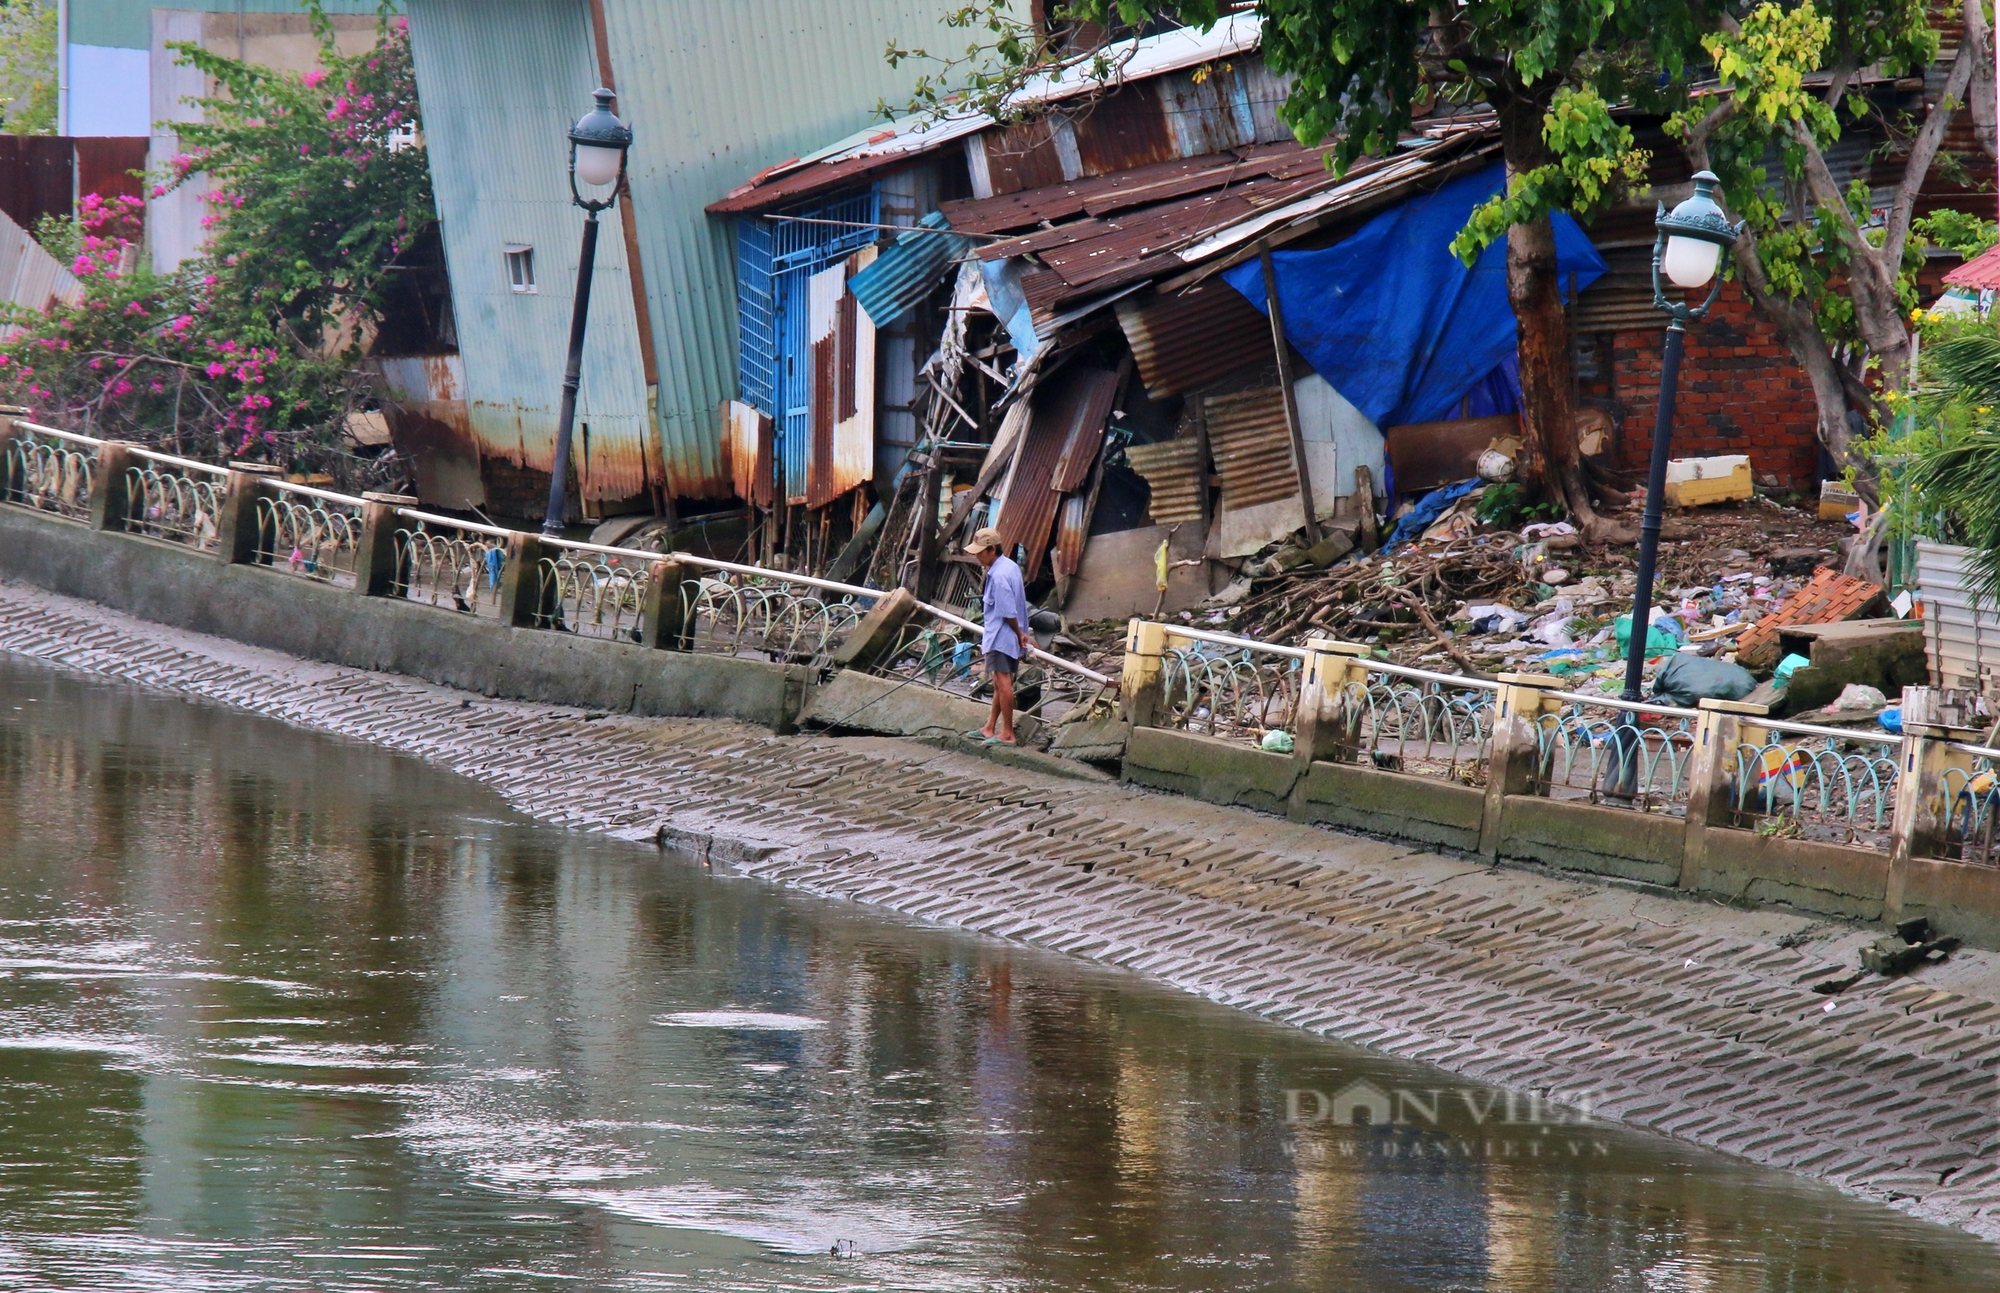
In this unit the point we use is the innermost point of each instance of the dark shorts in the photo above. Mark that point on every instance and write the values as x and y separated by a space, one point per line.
999 662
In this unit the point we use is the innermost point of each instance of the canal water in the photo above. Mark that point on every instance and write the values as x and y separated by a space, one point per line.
280 1012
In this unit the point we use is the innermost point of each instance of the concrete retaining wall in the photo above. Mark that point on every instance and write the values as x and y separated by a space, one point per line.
170 584
1651 848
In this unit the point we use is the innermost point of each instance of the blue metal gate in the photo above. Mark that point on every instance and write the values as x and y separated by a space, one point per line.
774 258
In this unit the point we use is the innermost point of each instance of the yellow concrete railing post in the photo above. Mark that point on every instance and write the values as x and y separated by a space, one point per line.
110 489
1724 727
1140 694
1329 712
1923 811
1514 751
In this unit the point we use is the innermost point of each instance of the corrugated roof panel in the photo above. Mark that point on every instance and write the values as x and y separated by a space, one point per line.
1982 271
1172 471
905 273
1185 340
500 87
1134 61
1071 407
1252 444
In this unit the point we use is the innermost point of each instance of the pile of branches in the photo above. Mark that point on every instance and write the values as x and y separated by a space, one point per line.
1414 588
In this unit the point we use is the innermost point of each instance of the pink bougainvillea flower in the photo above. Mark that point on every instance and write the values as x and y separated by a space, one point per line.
315 78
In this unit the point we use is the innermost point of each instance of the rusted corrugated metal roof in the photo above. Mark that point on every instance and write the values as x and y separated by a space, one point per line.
875 147
1172 471
1105 193
1070 410
1252 444
1185 340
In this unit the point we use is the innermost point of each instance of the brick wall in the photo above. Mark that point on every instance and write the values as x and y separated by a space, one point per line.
1740 392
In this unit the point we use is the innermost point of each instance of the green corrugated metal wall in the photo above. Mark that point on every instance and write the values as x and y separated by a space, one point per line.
500 84
716 91
127 24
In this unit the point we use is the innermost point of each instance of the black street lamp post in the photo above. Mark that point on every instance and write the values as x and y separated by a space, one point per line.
1688 249
597 145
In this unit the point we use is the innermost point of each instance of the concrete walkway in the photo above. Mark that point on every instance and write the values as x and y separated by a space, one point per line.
1686 1017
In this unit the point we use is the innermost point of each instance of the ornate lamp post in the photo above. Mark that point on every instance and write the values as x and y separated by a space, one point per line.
597 145
1688 250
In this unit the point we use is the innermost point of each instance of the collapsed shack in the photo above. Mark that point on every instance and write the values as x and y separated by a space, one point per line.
1061 325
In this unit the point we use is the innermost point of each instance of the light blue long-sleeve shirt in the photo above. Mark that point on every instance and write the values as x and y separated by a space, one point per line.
1005 597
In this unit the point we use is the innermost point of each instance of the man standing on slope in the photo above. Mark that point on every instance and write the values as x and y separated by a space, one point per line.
1004 630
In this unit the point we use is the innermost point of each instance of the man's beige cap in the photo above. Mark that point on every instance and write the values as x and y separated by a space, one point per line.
986 538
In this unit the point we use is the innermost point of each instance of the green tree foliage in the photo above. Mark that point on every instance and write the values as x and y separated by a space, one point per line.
28 67
1835 275
1950 486
315 184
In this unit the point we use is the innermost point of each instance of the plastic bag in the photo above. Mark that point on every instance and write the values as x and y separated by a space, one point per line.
1687 679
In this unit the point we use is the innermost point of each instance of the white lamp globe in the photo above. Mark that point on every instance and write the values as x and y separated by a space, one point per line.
1690 262
597 165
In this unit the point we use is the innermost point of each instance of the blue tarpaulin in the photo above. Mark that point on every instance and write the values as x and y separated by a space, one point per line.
1393 320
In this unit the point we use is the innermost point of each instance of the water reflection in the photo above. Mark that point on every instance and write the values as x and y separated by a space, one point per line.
278 1012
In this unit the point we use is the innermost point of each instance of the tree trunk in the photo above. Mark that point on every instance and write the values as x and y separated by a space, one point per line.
1550 459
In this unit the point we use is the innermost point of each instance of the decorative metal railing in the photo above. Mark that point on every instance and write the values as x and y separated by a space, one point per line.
177 499
50 470
457 565
1416 721
1971 796
593 591
1822 783
307 531
1620 753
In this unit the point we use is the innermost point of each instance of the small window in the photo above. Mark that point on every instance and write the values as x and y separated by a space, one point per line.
520 267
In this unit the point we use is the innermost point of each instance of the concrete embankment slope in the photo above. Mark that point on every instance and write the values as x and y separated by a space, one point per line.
1682 1016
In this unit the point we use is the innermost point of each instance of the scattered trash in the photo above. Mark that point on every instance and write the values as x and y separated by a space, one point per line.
1788 666
1891 719
1277 741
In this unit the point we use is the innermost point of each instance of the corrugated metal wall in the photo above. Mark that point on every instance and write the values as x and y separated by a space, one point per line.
500 85
718 90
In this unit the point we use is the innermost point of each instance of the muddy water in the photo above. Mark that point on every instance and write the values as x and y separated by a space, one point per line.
278 1012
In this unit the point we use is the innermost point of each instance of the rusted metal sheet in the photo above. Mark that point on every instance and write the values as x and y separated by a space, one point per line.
35 177
1072 529
1124 130
1172 472
1025 156
111 166
1138 185
1424 455
431 427
1071 409
748 434
1252 444
842 453
1079 455
1185 340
